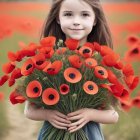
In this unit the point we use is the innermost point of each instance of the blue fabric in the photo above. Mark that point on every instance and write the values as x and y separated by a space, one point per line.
91 129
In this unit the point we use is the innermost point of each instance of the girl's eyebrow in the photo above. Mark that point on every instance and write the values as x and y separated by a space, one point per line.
81 11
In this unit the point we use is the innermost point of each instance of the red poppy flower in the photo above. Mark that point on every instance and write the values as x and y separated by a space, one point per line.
75 61
61 50
50 96
91 62
27 53
34 89
125 105
132 81
27 67
128 70
100 72
125 95
48 41
136 101
72 75
97 46
3 79
11 82
105 50
119 65
47 51
39 61
117 89
64 89
12 56
132 39
72 44
85 51
1 96
8 67
90 87
53 68
112 77
16 73
16 98
90 45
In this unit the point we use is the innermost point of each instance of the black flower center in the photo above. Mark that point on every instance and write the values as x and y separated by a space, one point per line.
135 51
86 51
64 88
51 96
50 69
29 66
137 101
101 72
90 87
72 75
39 62
36 89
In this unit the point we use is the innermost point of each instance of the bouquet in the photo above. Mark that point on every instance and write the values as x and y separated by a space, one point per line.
66 77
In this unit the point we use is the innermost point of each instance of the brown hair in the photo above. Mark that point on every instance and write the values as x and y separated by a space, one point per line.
100 32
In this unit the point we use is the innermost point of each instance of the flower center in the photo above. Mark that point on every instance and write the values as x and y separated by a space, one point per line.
39 62
72 75
136 51
90 87
36 89
101 72
86 51
51 96
29 66
50 69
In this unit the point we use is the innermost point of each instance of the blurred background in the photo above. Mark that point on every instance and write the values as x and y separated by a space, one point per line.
21 22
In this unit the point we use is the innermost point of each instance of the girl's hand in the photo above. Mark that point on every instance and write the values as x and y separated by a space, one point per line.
82 117
57 119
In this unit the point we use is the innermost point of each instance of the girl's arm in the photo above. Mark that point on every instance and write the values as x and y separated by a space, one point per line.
85 115
56 118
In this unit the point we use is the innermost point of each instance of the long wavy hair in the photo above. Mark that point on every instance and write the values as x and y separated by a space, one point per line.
100 32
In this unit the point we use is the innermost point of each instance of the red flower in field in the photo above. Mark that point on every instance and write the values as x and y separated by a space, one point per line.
72 44
112 77
90 87
85 51
132 39
64 89
110 59
3 79
50 96
91 62
53 68
128 70
48 41
136 101
12 56
100 72
16 98
11 82
97 46
125 105
90 45
75 61
39 61
61 50
16 73
132 81
8 67
105 50
27 67
34 89
72 75
1 96
117 89
47 51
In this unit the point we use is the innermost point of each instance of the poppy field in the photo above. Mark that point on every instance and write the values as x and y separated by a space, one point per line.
22 24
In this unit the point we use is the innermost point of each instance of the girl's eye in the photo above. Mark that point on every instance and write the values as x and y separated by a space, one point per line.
86 15
67 14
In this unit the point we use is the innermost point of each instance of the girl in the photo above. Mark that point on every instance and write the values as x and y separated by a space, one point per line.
83 20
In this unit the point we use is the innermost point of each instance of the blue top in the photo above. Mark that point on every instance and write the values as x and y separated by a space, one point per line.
91 129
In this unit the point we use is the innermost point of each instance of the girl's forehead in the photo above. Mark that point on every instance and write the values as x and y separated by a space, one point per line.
75 5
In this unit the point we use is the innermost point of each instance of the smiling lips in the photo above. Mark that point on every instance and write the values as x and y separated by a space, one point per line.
76 29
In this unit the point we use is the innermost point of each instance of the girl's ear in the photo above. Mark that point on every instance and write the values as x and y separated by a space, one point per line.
95 21
57 20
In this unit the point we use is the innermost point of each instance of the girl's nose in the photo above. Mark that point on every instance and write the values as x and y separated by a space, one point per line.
76 24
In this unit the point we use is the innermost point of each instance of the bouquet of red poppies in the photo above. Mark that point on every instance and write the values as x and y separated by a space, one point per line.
66 77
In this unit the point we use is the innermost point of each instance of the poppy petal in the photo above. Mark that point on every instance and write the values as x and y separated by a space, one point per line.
91 62
72 44
3 79
128 70
8 67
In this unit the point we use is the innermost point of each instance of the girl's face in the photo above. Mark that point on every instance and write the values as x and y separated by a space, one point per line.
76 19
